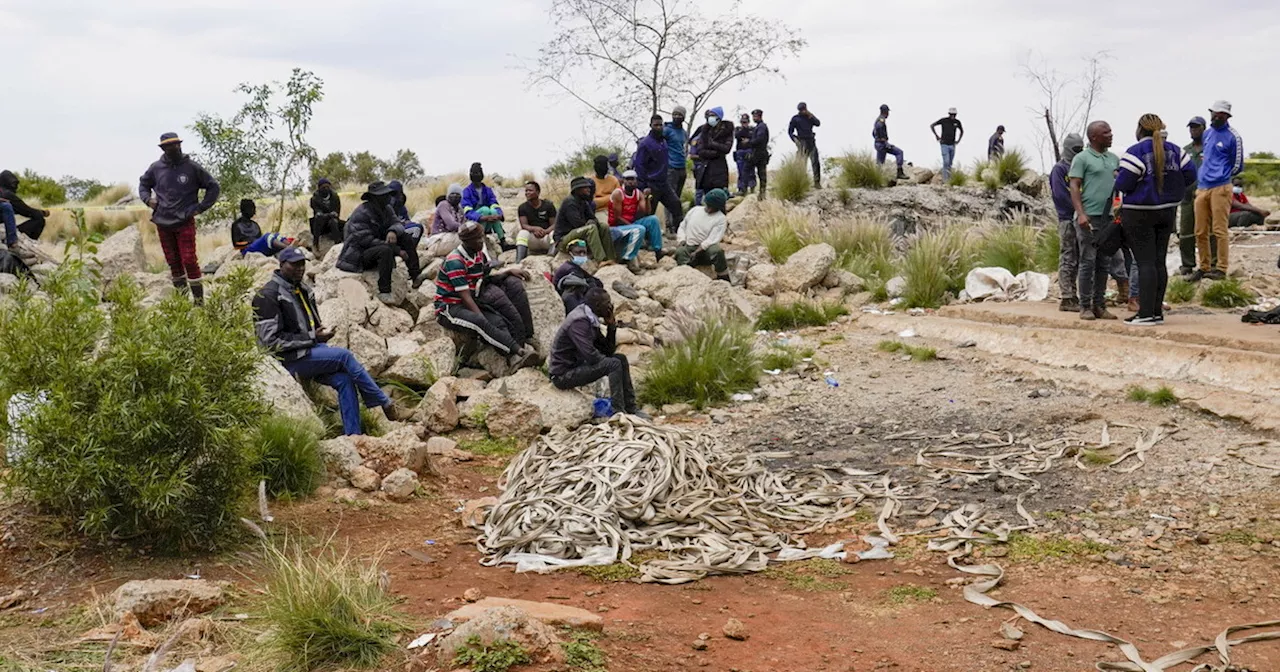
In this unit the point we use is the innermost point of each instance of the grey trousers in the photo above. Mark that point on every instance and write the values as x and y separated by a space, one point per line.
1068 259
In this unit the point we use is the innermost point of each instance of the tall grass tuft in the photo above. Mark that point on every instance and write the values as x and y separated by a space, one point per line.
959 178
858 170
1226 293
1048 250
1009 246
935 265
791 181
714 359
863 247
1180 290
327 611
1009 168
782 229
285 453
783 316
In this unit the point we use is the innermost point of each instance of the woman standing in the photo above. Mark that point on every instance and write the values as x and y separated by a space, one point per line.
1153 177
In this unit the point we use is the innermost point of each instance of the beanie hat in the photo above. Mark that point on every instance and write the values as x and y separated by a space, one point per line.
716 198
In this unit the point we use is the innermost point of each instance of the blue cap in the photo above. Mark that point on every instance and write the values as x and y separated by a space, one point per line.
1196 121
292 255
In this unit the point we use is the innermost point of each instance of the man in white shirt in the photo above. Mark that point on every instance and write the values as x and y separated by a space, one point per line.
698 240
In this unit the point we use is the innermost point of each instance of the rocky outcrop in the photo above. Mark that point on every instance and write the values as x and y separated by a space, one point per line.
121 253
283 393
806 268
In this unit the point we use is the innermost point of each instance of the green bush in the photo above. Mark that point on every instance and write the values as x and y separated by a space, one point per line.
1009 168
1048 250
1161 396
959 178
37 187
918 353
935 265
713 360
1180 290
1226 293
864 247
780 317
148 409
1011 247
499 656
791 180
327 611
285 452
782 229
581 161
859 170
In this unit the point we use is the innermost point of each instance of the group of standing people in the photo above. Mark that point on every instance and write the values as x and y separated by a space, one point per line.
1150 182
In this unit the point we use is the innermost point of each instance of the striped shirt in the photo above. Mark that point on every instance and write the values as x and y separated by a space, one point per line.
459 272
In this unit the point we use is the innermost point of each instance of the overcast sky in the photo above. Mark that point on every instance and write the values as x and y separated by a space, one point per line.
89 86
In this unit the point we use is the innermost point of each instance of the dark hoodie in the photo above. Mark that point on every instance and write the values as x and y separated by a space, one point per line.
176 186
1071 145
9 192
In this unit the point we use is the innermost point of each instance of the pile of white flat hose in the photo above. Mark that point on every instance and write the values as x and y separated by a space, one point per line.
604 492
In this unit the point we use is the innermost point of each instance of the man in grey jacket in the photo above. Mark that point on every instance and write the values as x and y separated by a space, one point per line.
581 355
171 188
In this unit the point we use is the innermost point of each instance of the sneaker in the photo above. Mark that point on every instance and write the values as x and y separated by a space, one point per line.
658 254
1159 319
1069 305
633 266
1104 314
1087 314
387 298
397 413
417 282
1133 305
1196 276
1215 274
1137 321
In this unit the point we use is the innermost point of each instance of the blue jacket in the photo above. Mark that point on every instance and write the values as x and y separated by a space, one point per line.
802 127
1223 156
176 187
473 199
1136 178
1061 191
880 132
650 161
676 138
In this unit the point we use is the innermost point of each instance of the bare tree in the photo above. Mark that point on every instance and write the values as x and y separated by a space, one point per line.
1067 101
625 60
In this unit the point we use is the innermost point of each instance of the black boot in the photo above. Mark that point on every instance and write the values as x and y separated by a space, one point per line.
197 292
522 251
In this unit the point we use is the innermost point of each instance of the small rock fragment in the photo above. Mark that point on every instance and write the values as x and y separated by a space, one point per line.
1011 632
1006 644
734 629
472 595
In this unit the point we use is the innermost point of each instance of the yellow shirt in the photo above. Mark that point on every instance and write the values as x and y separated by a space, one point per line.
605 186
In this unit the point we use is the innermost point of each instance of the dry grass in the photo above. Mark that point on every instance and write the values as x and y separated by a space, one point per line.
782 229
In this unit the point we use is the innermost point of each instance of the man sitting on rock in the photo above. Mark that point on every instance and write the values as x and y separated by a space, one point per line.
326 209
34 226
244 230
375 238
480 205
458 285
630 212
572 279
1244 213
576 220
287 323
698 240
445 222
398 201
537 221
581 355
503 292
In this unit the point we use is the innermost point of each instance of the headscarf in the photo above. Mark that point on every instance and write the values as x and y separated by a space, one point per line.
1152 124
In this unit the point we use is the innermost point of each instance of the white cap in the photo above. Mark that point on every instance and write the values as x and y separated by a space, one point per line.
1221 106
628 174
951 110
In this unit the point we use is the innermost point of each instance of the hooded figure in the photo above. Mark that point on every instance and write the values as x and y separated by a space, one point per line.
34 225
713 141
375 238
1069 256
244 230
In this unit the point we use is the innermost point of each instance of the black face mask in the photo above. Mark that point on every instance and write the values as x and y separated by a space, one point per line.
655 132
601 167
1218 123
477 177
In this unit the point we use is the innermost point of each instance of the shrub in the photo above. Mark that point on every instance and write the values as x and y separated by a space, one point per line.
42 189
845 196
959 178
1048 250
859 170
147 409
1226 293
1161 396
779 316
791 181
935 265
327 610
285 452
1009 168
918 353
713 360
863 247
782 229
1010 246
499 656
581 161
1180 290
582 653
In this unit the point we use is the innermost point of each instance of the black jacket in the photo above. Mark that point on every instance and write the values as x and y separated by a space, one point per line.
243 232
286 320
578 342
574 213
326 205
367 228
713 143
9 192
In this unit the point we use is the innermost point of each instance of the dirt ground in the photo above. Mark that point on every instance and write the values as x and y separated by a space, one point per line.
1165 556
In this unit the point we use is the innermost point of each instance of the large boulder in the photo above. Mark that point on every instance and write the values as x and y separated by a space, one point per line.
511 418
340 455
666 286
388 321
1031 183
155 601
716 296
426 364
560 408
369 348
400 485
918 175
806 268
505 624
547 309
761 278
283 393
739 219
121 254
473 412
439 408
399 449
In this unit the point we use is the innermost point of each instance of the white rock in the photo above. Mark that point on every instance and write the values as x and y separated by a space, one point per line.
400 485
666 287
283 393
369 348
806 268
364 478
340 455
121 253
547 310
560 408
439 407
388 321
761 278
426 364
895 286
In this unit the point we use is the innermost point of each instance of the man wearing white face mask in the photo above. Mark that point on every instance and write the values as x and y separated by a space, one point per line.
712 142
572 279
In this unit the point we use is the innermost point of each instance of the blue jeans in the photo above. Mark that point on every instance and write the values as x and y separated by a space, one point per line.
746 171
651 237
629 235
10 224
885 148
948 156
339 369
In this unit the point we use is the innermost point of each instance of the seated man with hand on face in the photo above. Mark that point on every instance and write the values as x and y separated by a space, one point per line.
287 323
581 355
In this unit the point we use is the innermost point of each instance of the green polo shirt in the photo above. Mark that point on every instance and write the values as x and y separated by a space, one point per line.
1098 172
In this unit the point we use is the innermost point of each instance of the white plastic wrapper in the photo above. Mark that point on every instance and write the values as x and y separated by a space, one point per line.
597 556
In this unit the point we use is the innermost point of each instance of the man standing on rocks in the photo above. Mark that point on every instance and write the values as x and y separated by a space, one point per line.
699 237
458 285
742 155
1223 159
801 133
171 187
652 164
1092 177
375 238
581 355
287 324
880 133
952 133
576 220
1187 209
326 214
677 139
713 143
1068 252
995 144
760 152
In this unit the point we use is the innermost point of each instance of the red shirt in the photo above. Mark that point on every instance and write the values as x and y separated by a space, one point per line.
630 205
1237 198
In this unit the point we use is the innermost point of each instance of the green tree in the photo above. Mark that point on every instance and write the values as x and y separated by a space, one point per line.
41 188
404 166
81 189
365 167
333 166
582 160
